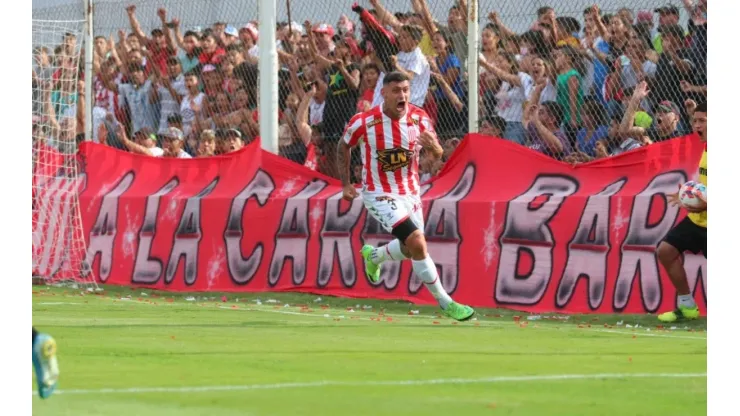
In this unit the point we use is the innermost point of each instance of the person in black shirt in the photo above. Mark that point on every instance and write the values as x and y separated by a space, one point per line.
343 83
676 64
342 79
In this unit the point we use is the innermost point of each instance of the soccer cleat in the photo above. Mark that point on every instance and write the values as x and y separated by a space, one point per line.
459 312
45 364
679 314
372 270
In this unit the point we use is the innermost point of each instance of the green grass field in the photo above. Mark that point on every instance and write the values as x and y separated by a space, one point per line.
289 354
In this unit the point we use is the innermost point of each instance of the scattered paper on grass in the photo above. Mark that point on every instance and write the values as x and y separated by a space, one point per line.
190 299
270 301
317 300
534 318
413 312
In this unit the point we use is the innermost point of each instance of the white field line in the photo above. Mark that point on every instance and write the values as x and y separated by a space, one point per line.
59 303
482 323
328 383
362 313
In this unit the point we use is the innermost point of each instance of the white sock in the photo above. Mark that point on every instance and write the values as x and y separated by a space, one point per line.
686 301
427 272
390 251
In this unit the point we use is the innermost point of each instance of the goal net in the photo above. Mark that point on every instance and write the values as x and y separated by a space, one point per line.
58 95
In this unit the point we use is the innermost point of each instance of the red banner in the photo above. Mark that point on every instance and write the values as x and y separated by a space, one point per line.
506 226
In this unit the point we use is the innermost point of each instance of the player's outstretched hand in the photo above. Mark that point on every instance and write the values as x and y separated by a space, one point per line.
349 192
674 200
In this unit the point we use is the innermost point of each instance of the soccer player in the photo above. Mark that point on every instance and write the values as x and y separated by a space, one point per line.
391 134
45 365
690 234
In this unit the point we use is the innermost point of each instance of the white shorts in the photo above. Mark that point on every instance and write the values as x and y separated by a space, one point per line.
391 210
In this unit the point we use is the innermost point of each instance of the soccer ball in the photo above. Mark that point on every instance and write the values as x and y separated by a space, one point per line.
692 193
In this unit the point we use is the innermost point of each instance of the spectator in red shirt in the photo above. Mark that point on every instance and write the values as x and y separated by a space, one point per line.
157 46
212 52
370 74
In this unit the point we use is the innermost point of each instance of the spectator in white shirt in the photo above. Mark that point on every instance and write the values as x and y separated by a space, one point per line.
411 62
248 35
144 143
514 91
173 140
542 68
192 102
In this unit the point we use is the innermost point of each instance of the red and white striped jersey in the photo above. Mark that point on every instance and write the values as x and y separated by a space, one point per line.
389 149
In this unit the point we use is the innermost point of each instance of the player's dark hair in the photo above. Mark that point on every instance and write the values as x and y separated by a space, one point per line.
394 76
701 107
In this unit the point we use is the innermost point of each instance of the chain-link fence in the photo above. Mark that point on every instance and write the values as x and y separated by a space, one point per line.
576 81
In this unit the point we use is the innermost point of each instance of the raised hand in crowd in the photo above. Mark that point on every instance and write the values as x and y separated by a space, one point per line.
690 106
602 149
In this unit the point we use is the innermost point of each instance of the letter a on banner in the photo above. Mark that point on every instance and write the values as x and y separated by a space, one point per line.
103 233
527 233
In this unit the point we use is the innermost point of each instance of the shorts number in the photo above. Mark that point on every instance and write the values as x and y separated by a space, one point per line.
393 204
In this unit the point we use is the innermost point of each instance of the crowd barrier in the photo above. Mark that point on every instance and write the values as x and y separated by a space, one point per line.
507 227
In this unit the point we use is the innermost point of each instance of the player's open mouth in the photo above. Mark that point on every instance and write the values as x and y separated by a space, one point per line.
401 105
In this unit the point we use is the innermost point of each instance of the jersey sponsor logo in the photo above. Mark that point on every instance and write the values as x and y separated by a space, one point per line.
374 122
395 158
703 171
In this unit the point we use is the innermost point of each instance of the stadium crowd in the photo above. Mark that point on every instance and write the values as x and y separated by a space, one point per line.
573 91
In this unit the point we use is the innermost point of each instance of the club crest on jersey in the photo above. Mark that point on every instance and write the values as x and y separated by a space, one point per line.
413 133
396 158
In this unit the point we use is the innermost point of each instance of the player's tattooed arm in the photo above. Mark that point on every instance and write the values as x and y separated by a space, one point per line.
348 190
343 152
